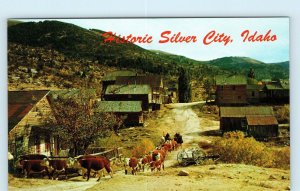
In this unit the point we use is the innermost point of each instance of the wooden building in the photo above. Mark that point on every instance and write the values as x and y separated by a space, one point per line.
131 110
262 126
231 90
154 81
110 78
257 121
277 91
130 93
255 93
27 111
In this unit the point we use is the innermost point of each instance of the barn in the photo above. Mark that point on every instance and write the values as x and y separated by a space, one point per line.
257 121
130 93
27 111
131 110
231 90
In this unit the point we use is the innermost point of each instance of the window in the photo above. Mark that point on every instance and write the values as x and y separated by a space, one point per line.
253 93
233 87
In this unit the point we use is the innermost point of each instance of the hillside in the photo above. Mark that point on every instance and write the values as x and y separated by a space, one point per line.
49 49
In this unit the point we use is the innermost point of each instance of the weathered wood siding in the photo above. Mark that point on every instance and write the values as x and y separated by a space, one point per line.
145 98
232 124
231 94
23 130
263 131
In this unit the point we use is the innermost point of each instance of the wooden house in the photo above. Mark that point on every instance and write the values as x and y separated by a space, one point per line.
131 110
257 121
110 78
130 93
231 90
154 81
277 91
27 111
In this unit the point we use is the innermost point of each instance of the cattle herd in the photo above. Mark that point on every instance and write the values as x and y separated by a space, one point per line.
154 160
32 164
87 164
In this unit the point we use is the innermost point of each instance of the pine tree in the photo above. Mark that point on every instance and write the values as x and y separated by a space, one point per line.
184 86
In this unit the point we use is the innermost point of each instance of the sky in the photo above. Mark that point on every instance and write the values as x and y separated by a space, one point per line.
266 51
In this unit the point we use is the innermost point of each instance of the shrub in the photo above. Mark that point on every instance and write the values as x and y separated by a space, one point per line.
235 148
283 113
108 142
142 148
282 158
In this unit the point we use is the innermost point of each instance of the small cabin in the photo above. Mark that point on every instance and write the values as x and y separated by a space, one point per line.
256 121
27 112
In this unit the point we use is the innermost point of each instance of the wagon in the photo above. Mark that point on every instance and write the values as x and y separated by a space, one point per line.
193 156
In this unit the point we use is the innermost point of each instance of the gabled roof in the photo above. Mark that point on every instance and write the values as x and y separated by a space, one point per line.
231 80
119 106
20 103
153 80
128 89
261 120
245 111
112 75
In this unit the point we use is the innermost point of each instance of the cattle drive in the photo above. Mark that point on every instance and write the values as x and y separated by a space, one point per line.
87 164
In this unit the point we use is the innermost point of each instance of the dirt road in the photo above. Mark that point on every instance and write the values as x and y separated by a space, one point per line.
176 118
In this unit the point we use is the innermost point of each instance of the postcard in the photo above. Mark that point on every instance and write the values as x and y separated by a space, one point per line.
149 104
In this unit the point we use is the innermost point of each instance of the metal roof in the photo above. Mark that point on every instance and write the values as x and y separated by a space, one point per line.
231 80
245 111
119 106
261 120
128 89
20 103
112 75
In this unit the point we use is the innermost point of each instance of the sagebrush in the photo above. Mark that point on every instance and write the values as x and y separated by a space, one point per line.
233 147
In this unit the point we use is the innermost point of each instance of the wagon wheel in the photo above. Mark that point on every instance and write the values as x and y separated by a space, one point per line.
198 156
180 157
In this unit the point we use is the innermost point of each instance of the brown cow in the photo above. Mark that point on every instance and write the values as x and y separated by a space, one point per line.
168 146
146 161
58 166
174 145
35 166
134 165
158 158
95 163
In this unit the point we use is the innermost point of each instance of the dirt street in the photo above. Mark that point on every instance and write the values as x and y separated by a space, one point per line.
175 118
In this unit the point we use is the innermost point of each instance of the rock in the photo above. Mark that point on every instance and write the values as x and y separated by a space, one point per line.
183 173
272 177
